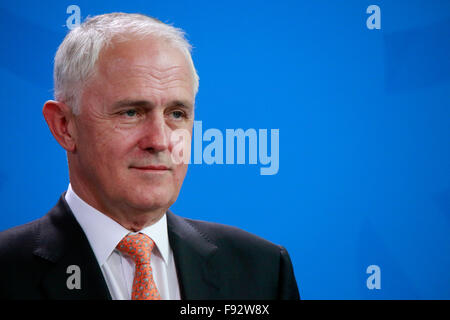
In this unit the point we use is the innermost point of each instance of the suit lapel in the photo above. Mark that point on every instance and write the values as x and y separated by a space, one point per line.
62 243
193 254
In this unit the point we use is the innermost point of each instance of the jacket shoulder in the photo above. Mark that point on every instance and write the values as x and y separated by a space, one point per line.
18 240
234 237
249 265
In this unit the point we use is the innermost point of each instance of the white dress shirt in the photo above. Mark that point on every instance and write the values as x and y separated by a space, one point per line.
104 234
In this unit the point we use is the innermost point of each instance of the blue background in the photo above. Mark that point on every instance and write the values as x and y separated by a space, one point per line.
364 126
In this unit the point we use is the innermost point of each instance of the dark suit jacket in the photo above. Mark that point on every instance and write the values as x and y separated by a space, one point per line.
212 261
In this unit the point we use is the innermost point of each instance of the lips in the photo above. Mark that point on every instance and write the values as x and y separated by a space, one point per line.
151 168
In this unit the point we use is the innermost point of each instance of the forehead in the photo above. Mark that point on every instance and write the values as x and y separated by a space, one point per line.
143 62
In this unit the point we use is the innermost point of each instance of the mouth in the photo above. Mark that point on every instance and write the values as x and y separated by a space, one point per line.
152 168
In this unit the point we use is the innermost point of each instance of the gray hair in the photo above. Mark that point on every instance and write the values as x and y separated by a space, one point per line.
76 58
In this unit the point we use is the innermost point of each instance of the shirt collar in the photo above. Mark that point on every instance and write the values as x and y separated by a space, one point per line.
104 233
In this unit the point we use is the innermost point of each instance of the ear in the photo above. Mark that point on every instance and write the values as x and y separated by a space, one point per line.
60 120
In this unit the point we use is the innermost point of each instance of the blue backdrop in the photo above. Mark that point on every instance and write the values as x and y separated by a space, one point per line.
363 117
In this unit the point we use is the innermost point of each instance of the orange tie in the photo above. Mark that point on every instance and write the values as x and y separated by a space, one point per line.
139 247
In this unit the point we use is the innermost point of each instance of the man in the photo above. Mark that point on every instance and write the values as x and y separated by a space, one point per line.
125 86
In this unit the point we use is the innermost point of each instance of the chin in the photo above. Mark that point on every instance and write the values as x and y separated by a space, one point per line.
151 200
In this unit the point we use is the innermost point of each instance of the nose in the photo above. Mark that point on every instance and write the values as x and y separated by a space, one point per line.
155 133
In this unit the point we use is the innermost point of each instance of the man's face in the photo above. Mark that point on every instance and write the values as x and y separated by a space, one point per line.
142 93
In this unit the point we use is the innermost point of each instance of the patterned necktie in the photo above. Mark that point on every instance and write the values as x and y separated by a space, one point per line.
139 247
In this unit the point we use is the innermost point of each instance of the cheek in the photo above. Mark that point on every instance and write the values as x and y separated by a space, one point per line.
105 146
180 173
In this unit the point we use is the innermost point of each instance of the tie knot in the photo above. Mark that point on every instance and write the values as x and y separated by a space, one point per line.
137 246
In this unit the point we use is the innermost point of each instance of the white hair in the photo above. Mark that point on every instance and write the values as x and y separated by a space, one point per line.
76 58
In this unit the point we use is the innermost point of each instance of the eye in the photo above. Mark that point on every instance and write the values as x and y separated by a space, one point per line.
177 114
130 113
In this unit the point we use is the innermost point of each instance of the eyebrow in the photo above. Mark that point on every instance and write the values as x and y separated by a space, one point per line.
147 104
131 103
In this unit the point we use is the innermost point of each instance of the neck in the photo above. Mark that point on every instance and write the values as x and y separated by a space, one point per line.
133 219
